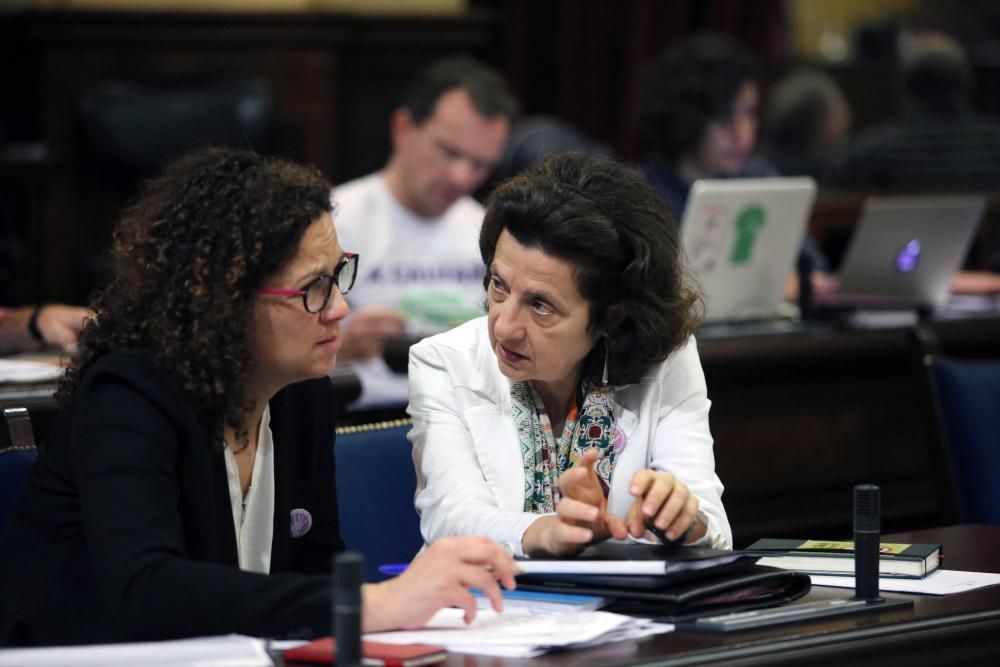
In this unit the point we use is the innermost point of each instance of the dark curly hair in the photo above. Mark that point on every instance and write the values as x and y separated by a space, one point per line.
690 85
187 254
612 227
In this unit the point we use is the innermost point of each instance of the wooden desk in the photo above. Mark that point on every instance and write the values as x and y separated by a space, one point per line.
956 629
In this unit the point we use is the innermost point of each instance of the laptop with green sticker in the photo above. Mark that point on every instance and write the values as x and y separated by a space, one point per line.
741 238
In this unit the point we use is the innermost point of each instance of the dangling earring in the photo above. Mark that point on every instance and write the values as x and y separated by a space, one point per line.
607 353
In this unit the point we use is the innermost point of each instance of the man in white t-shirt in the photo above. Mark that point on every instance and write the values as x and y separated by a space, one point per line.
414 224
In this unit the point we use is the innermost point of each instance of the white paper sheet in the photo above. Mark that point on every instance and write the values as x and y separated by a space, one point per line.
224 651
16 370
517 635
942 582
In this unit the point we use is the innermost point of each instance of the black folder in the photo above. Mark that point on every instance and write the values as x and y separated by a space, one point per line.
684 594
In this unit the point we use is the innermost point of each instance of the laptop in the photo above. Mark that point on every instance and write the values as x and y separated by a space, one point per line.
741 238
905 251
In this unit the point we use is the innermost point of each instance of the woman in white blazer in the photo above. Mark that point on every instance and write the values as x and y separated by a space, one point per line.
576 410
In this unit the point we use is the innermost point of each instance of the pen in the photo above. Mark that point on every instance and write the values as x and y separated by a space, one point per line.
393 568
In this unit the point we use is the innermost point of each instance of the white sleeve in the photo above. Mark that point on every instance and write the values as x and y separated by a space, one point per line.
683 443
454 495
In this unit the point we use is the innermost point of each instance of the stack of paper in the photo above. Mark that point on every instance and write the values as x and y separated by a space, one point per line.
521 634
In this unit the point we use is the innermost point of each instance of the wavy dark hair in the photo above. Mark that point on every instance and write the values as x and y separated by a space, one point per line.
688 86
614 230
187 254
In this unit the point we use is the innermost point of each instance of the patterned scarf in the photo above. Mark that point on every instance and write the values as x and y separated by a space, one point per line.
590 425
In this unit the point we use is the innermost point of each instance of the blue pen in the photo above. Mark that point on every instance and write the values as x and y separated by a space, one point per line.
393 568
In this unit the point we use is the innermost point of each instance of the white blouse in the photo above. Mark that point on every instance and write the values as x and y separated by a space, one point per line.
253 515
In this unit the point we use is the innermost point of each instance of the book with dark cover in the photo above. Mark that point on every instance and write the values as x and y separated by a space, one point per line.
907 561
323 651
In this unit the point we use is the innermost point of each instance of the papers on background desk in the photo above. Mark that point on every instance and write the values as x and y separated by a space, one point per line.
942 582
225 651
533 602
16 370
521 634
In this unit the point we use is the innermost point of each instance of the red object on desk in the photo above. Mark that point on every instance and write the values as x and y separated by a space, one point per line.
373 653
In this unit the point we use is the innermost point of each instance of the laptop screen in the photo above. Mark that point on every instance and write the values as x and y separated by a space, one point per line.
741 238
908 249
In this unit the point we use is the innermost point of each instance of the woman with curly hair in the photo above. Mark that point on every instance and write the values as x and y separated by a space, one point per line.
188 486
576 410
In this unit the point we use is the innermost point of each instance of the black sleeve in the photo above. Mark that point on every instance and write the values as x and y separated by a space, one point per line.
302 418
125 453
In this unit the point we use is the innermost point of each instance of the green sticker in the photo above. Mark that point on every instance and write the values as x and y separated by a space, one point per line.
749 222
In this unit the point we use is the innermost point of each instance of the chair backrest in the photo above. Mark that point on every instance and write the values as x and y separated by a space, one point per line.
138 127
376 483
968 400
17 454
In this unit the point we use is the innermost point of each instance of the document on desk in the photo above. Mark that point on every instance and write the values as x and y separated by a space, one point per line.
224 651
17 370
942 582
521 634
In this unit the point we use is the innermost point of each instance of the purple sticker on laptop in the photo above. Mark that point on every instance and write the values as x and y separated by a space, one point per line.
302 521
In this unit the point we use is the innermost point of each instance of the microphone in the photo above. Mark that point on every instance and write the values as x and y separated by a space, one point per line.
348 575
867 528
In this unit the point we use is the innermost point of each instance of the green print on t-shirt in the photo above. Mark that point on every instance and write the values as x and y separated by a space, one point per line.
749 222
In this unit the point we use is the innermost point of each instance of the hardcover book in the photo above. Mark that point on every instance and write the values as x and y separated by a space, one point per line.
910 561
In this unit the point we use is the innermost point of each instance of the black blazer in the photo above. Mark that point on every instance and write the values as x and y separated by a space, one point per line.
125 528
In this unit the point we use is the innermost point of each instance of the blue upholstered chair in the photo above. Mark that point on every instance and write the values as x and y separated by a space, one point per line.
17 454
375 486
967 394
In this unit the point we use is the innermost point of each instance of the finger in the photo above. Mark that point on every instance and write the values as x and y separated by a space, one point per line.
616 527
476 577
657 494
502 567
589 458
571 509
465 601
635 521
671 509
641 481
489 555
473 549
565 533
573 478
684 520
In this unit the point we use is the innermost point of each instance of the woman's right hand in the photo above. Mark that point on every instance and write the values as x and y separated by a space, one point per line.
440 576
581 516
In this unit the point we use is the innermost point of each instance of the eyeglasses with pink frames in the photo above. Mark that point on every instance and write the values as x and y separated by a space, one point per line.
316 295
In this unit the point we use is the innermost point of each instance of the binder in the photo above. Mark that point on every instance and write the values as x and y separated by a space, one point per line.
732 585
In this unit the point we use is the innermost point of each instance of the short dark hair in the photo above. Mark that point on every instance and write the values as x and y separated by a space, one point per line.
188 253
486 88
688 86
616 232
936 75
